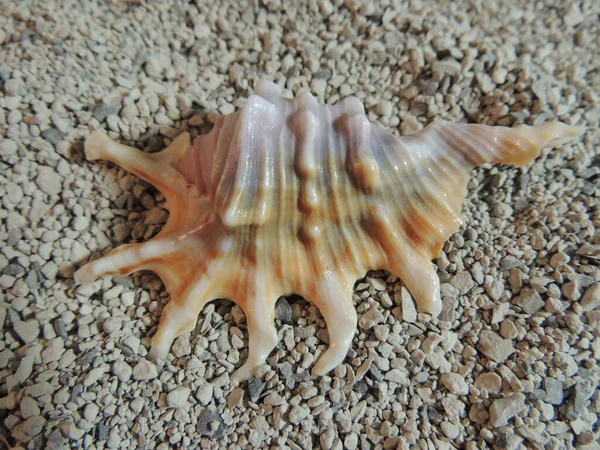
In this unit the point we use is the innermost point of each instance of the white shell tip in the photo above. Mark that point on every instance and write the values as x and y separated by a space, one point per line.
95 145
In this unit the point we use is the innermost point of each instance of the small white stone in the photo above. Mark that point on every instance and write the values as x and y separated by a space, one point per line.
27 331
122 370
48 180
8 147
25 369
144 370
94 375
178 398
504 409
80 223
591 298
455 383
449 429
274 399
90 412
371 318
204 393
409 313
318 87
384 108
29 407
494 346
298 413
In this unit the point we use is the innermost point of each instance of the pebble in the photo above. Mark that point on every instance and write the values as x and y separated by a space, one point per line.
274 399
504 409
235 398
144 370
255 389
384 108
450 430
489 381
90 412
204 394
298 413
283 311
529 301
48 181
29 407
406 381
591 299
25 369
122 370
318 87
494 346
8 147
93 376
463 281
29 428
455 383
27 331
409 313
371 318
178 397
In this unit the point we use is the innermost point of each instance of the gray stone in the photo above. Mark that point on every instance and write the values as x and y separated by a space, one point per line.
27 331
29 407
102 111
56 441
494 346
25 369
52 135
463 281
554 391
283 311
102 431
210 424
255 389
591 298
529 301
29 428
575 403
504 409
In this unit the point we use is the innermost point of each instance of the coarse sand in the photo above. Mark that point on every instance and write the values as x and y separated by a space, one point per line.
510 364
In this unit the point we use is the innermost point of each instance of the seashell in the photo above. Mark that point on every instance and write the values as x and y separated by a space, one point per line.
288 196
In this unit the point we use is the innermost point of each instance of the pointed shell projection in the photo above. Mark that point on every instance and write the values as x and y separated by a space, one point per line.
288 196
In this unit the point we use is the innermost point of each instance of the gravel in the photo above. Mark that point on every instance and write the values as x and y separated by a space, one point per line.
512 361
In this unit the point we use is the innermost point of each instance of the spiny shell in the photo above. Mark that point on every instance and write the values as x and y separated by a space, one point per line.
288 196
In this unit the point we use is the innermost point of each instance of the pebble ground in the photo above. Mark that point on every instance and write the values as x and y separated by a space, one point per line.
510 364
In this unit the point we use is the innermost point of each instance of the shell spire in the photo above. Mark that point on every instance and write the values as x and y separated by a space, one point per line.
290 196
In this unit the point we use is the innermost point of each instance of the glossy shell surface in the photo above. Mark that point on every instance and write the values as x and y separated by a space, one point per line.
289 196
